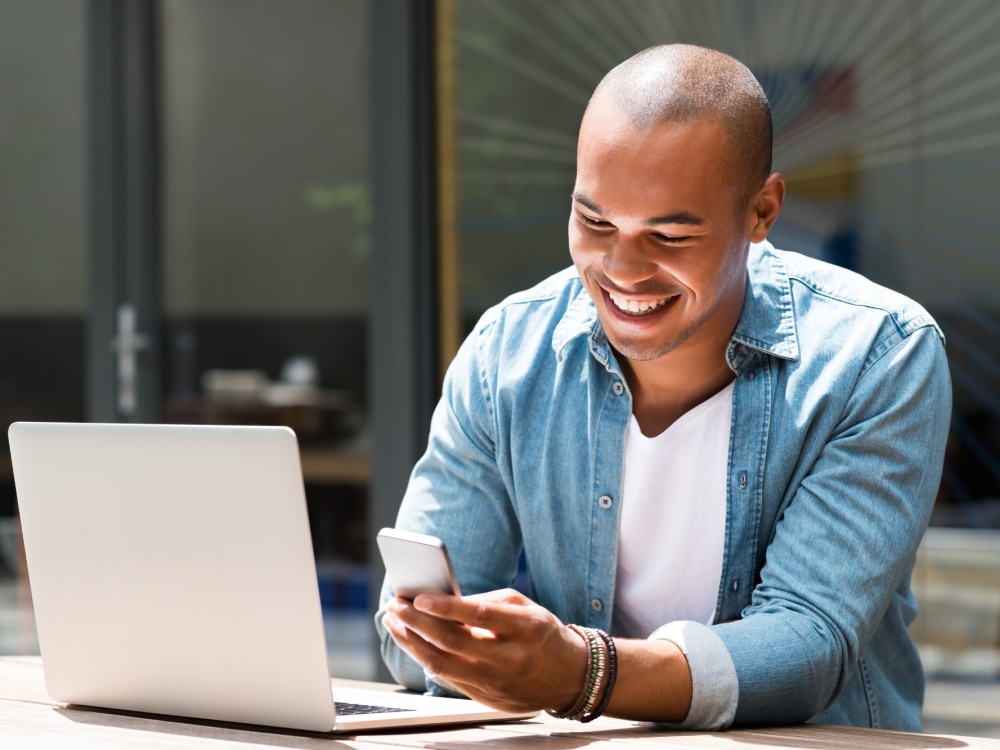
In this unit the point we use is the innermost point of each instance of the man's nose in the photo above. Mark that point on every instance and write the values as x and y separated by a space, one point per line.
627 262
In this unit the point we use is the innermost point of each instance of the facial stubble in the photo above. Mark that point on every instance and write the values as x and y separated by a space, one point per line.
632 347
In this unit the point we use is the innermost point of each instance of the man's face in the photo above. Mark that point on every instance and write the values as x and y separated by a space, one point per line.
655 233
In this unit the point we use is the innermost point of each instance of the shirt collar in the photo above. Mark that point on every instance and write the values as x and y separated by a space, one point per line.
767 322
580 318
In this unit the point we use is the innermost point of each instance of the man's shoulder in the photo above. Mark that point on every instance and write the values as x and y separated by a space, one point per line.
542 306
846 297
528 330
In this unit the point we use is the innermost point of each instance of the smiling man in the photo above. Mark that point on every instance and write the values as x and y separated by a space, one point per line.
722 453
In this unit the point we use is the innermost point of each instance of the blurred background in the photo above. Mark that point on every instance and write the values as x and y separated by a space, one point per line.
292 211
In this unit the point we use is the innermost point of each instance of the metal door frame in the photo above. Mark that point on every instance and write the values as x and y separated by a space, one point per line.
123 328
403 342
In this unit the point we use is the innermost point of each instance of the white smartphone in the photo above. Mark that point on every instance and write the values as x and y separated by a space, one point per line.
416 564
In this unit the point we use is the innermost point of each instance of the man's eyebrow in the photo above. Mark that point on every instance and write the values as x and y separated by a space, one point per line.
682 217
581 198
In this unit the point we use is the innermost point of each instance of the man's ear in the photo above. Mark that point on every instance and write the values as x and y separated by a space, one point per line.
770 199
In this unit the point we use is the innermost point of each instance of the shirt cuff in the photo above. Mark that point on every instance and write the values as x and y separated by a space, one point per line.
715 689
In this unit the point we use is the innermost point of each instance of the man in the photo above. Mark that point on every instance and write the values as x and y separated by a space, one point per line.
723 453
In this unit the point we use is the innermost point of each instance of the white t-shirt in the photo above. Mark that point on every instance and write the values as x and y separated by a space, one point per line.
673 522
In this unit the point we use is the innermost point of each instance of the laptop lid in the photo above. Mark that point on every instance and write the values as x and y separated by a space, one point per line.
172 570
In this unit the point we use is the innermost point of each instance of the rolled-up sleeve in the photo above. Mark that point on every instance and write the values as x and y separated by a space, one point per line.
715 688
845 541
838 554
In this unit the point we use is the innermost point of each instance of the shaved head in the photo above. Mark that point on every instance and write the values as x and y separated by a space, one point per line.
682 83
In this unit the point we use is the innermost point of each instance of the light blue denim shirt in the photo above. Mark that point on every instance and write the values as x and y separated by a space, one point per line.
841 407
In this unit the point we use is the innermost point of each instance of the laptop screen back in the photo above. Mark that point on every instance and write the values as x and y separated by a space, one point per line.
172 570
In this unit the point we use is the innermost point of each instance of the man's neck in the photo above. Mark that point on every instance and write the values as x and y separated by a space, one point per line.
666 388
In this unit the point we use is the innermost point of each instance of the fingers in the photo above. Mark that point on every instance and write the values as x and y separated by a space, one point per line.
455 668
498 648
444 634
502 612
503 596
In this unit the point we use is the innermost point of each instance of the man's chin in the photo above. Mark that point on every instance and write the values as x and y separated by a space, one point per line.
646 348
642 350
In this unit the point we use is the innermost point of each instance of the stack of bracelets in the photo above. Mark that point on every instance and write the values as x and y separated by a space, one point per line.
601 655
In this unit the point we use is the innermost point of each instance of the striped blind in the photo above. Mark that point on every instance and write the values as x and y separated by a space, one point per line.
886 129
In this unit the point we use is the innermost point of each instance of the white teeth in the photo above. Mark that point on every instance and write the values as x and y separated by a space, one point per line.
636 307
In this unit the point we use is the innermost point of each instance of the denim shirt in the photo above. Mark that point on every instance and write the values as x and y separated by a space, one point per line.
841 406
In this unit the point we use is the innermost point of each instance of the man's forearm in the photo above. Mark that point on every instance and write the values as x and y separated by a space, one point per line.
654 682
504 650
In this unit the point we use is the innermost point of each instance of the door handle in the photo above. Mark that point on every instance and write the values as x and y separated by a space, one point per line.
127 344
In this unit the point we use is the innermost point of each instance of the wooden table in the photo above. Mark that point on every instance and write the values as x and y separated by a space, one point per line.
30 719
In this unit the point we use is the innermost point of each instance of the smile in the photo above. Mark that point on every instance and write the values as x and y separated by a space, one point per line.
636 307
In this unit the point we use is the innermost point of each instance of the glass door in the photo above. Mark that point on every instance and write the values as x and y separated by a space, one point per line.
43 253
264 256
185 237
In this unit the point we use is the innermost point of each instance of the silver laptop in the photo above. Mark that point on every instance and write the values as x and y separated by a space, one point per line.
172 572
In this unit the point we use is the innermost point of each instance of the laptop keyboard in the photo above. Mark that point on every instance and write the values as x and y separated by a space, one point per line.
355 709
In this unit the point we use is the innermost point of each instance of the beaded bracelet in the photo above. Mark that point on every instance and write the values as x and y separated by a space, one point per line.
581 702
612 676
596 675
595 692
597 659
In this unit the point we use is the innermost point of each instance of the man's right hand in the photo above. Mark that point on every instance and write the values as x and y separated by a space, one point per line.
499 648
505 651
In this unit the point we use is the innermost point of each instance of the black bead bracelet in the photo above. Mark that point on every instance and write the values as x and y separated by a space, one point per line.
612 676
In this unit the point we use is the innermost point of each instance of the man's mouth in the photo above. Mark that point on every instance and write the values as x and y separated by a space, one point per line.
636 307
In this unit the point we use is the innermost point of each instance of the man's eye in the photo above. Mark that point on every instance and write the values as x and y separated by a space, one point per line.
593 222
671 239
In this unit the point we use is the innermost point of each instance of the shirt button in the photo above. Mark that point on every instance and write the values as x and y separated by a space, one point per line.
736 585
605 501
596 604
619 388
750 375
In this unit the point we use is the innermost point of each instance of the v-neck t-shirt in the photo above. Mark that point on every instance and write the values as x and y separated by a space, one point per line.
673 520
